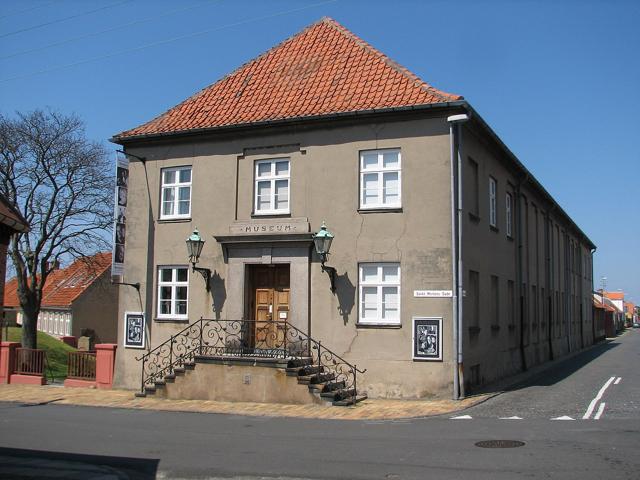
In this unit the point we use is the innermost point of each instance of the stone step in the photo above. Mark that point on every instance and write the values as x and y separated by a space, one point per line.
350 401
179 370
304 379
299 362
333 386
344 394
141 394
311 370
170 376
322 377
149 389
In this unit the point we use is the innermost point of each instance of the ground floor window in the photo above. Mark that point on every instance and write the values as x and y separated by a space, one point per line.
379 292
173 289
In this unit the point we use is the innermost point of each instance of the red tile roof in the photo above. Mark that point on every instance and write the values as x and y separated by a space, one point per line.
614 295
64 285
325 69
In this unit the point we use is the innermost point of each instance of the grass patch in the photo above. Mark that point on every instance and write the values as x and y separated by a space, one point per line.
56 350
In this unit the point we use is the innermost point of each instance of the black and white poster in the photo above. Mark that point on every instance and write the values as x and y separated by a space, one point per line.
134 330
427 338
120 215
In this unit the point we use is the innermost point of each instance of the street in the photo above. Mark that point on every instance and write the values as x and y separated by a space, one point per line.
582 421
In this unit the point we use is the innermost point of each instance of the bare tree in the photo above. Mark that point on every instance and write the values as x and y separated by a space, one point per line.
62 183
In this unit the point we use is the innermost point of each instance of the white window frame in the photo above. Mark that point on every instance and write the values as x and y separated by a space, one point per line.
380 169
272 178
508 200
174 283
175 186
493 207
379 284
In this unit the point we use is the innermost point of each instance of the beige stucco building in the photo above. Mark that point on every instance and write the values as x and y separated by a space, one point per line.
432 296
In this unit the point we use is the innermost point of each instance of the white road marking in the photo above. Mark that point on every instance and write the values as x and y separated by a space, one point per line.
462 417
511 418
564 417
599 412
617 381
593 403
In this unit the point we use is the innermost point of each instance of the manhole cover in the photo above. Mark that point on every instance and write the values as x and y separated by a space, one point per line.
499 444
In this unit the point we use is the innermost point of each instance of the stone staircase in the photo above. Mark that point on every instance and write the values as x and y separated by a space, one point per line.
319 381
291 353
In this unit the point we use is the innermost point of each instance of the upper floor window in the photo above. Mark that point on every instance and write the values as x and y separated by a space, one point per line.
272 186
508 209
176 193
380 179
173 289
493 209
379 293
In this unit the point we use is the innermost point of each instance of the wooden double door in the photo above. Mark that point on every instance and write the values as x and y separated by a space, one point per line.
270 297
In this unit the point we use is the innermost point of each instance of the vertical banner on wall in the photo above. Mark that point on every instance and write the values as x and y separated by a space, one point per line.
120 214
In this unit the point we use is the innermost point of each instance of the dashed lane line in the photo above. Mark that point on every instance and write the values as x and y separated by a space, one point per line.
597 398
599 412
617 381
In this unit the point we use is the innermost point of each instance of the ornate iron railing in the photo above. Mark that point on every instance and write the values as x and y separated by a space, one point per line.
81 365
246 338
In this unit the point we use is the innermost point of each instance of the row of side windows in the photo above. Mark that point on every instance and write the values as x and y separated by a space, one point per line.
380 185
474 197
379 293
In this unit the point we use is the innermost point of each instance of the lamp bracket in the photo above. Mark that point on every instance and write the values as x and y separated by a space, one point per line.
134 285
206 274
332 272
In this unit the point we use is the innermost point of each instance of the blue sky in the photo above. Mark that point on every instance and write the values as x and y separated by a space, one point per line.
557 80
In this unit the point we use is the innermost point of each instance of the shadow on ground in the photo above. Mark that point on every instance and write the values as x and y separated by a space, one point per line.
547 374
31 464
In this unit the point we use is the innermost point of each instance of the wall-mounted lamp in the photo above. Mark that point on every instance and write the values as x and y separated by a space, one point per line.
194 248
322 242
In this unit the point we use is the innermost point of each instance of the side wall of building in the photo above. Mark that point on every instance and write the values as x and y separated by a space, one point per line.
97 309
324 165
527 277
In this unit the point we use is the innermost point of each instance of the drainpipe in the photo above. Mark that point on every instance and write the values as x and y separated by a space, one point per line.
455 138
593 320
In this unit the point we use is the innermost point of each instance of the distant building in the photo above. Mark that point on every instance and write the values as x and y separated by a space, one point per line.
11 221
76 300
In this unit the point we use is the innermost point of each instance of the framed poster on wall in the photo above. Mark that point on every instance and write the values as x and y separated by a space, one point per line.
134 329
427 338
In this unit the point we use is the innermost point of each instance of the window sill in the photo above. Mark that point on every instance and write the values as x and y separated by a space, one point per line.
174 220
510 238
495 328
380 210
494 228
393 326
512 327
271 215
171 320
474 217
474 330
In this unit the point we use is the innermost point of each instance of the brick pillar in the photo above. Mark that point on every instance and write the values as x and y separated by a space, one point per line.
105 364
7 360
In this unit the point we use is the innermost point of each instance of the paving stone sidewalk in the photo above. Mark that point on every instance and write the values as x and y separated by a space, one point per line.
370 409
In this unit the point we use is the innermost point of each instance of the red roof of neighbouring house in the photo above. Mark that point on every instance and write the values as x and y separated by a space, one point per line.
614 295
325 69
64 285
10 217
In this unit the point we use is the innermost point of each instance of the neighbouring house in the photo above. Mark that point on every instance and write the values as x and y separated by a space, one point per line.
617 300
76 300
630 313
429 295
11 221
604 317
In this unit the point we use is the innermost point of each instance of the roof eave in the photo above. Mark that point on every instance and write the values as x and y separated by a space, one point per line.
123 140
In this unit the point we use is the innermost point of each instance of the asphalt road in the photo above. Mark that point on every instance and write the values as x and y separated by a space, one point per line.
52 441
